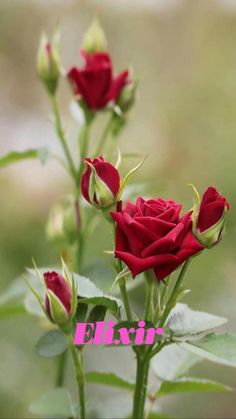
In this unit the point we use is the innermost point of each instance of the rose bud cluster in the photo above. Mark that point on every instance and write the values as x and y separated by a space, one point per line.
209 217
100 183
95 83
48 63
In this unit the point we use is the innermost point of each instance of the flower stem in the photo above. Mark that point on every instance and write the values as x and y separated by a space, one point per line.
60 377
104 137
77 356
172 299
150 284
61 136
123 291
142 354
140 386
83 147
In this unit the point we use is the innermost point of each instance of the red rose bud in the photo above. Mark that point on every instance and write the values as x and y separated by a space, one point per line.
95 83
94 38
100 183
61 298
152 234
209 217
48 63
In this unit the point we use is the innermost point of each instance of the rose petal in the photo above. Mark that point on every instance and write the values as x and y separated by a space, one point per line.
138 265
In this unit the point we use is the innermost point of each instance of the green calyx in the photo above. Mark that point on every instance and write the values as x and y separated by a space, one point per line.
94 38
98 189
212 235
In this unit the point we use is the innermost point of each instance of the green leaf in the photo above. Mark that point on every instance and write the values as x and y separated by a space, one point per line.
81 312
15 292
54 404
11 300
52 343
184 321
188 385
86 288
158 415
100 274
97 314
219 348
112 304
172 362
16 156
33 307
108 379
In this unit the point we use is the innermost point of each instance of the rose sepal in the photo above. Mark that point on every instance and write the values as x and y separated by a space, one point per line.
212 235
94 38
127 177
105 198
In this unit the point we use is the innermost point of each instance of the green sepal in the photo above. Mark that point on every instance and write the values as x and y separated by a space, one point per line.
58 313
103 193
94 38
126 179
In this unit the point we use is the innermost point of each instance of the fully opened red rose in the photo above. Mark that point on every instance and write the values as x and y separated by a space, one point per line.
95 82
152 234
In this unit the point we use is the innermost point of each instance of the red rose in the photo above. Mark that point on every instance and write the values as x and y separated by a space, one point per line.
209 219
100 182
58 286
152 235
212 208
95 83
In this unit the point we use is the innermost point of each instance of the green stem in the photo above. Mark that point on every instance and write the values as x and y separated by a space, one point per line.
83 147
123 291
140 386
61 136
104 137
77 356
150 286
172 299
61 368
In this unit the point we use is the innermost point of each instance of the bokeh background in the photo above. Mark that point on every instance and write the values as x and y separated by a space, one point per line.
184 53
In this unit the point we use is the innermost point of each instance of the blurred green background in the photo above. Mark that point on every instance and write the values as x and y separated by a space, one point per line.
184 53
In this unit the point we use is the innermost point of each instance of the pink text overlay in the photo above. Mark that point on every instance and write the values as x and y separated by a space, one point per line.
108 333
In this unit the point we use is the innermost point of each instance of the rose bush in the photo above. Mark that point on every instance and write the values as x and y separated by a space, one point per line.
95 83
152 234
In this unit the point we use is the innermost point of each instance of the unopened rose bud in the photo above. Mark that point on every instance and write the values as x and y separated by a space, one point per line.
61 226
60 301
94 38
127 96
48 63
100 183
124 104
209 217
